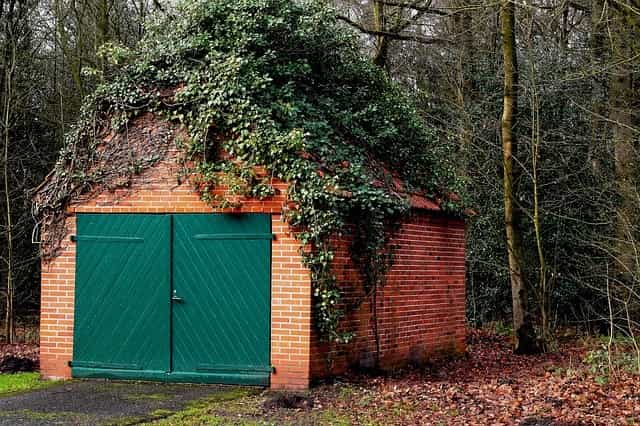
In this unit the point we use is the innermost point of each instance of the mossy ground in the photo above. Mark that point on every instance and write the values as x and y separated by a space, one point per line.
246 407
489 386
105 403
22 382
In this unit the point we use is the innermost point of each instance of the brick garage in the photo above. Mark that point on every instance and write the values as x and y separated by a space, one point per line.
420 310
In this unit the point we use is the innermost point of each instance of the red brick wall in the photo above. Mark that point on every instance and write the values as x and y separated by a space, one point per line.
56 309
290 311
421 308
157 191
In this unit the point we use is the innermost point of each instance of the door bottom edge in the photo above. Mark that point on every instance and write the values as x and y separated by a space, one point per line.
171 377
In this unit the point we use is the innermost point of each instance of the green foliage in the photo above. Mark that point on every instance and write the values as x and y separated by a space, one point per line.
606 360
20 382
278 83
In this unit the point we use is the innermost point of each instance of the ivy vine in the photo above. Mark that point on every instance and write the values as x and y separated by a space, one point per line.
282 85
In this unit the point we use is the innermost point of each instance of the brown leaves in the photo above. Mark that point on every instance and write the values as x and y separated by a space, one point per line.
493 386
18 357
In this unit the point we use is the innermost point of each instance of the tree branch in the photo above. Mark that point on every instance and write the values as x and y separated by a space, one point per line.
578 6
392 35
416 6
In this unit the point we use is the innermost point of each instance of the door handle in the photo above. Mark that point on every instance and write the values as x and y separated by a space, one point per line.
176 298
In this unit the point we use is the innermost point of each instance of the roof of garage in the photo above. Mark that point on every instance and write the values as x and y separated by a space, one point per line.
309 108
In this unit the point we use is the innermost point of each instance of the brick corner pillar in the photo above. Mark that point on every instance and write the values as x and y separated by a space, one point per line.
56 312
291 311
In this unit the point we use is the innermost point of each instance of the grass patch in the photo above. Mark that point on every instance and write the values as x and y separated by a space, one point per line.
245 407
60 417
332 418
147 396
346 392
22 382
162 412
235 406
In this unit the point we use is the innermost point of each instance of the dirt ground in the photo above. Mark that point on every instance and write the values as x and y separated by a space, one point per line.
18 357
489 385
493 386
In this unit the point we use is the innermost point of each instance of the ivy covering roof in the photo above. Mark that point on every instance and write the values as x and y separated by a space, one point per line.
278 84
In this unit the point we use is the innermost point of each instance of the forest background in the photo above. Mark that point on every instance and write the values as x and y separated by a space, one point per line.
535 105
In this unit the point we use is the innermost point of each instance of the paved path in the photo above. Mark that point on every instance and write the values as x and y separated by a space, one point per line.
99 402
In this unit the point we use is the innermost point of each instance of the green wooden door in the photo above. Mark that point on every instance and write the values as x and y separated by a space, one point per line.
173 297
221 288
122 296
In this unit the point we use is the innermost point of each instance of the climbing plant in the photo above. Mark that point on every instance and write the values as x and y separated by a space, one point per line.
279 84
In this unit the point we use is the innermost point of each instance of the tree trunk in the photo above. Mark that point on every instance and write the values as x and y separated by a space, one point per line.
599 57
382 42
623 116
9 65
103 30
462 29
70 55
524 333
543 289
625 172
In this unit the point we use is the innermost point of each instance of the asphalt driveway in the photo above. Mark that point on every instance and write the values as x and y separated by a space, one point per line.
101 402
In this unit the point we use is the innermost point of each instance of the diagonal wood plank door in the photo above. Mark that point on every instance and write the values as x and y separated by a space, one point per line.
122 292
221 298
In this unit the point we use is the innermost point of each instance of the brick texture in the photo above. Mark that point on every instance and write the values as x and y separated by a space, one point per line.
56 309
420 308
157 191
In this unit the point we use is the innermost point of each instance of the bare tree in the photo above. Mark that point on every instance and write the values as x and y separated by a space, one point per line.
524 333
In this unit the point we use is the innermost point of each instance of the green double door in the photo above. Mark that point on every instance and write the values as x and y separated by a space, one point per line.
173 297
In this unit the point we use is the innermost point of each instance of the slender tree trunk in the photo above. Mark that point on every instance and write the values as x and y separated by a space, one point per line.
524 333
9 70
382 42
624 120
625 172
103 29
543 289
462 28
69 55
599 57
